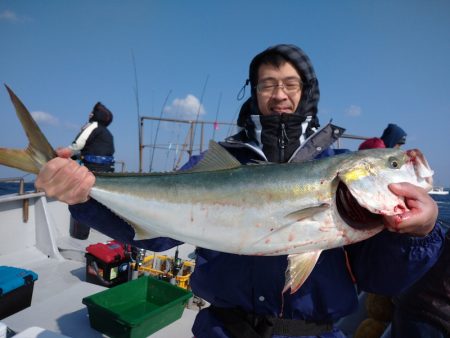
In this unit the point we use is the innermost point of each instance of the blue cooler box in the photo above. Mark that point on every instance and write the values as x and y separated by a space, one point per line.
16 289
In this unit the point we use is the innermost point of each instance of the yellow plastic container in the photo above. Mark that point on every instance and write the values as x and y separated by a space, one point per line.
161 266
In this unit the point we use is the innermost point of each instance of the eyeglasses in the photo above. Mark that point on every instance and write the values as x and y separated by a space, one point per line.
289 86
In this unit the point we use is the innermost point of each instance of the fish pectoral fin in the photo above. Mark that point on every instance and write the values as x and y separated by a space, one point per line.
307 212
299 268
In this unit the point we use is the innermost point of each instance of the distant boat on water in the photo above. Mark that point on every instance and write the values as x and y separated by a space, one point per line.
438 191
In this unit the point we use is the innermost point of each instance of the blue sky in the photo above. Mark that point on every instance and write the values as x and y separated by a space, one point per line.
377 62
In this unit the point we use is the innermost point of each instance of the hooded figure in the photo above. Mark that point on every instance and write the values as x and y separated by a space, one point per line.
393 135
95 143
94 146
372 143
276 137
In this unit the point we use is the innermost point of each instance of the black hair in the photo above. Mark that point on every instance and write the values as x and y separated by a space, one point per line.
278 55
273 58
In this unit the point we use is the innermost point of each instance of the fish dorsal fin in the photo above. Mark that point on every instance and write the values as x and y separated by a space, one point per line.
216 158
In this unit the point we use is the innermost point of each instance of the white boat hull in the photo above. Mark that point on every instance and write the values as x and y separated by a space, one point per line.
438 191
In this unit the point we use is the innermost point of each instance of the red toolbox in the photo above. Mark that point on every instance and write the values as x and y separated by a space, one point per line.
107 264
16 289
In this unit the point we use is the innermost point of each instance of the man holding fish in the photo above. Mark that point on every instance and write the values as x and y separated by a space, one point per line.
285 290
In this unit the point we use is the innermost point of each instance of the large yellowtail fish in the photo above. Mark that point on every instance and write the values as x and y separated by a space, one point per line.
294 209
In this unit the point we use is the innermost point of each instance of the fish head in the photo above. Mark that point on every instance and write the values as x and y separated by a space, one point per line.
363 195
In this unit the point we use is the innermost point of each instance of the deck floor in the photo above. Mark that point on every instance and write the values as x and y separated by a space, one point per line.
56 302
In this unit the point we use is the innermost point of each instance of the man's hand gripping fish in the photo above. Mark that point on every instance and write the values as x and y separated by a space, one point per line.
294 209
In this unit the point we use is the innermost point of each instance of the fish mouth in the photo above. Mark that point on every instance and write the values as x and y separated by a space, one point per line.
352 212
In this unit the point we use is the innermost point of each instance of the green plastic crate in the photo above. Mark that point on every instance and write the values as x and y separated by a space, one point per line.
137 308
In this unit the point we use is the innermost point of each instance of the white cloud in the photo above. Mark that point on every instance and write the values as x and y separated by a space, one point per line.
186 108
72 126
45 118
353 111
8 15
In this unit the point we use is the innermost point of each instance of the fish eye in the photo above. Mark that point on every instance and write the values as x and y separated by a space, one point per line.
393 163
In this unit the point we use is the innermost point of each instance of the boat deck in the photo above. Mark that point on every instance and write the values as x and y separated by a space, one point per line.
56 305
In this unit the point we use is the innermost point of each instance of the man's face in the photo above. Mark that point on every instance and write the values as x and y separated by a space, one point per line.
279 90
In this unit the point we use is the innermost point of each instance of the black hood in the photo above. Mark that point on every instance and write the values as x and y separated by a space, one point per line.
101 114
280 135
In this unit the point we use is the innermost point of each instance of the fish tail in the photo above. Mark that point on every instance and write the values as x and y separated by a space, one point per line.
38 152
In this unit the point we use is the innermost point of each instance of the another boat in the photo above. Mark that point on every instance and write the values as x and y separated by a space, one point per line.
438 191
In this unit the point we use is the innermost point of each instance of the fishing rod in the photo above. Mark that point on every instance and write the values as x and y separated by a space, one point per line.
216 125
198 115
136 96
231 124
157 129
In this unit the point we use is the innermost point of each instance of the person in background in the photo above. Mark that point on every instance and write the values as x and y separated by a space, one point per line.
94 148
94 145
393 137
246 292
372 143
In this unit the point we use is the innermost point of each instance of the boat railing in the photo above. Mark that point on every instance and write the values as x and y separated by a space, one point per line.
122 166
20 180
21 194
194 142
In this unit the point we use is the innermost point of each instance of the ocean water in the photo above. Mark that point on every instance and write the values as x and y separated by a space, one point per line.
7 188
443 201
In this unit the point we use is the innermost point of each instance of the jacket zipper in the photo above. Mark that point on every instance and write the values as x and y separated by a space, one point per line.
282 138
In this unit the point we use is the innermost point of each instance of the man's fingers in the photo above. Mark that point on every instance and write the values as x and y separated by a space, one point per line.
64 152
65 180
407 190
47 172
421 215
399 223
73 184
81 192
